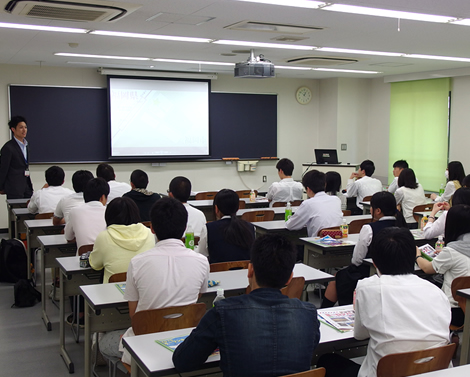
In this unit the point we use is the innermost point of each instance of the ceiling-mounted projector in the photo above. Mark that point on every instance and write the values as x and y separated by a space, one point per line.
256 67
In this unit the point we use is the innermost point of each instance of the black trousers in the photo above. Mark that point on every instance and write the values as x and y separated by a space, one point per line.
338 366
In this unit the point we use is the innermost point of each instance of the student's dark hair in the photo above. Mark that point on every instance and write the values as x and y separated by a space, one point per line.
80 178
315 180
388 205
15 120
273 257
457 222
407 178
368 166
456 171
121 211
466 181
180 187
140 179
169 219
333 182
393 251
105 171
95 189
461 196
286 165
402 164
55 176
238 232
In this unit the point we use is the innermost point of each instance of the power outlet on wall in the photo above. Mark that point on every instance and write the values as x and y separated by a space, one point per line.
265 178
344 147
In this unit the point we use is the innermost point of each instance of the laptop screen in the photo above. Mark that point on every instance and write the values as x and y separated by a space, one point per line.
326 156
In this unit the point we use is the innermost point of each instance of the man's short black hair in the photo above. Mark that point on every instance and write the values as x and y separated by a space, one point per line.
95 189
466 181
180 187
121 211
55 176
273 257
80 178
314 180
106 172
286 165
393 251
169 218
140 179
401 164
15 120
368 167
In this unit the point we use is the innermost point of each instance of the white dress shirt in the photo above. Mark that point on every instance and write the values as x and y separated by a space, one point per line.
46 199
65 205
399 313
196 220
409 198
287 190
117 189
436 228
362 187
321 211
448 192
85 223
394 185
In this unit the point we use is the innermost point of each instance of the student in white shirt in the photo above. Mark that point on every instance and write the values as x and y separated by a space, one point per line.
361 183
180 189
409 195
397 310
79 180
398 166
455 175
46 199
333 187
116 189
287 190
320 210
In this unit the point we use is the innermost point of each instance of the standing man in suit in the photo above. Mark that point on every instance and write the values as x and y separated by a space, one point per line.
14 171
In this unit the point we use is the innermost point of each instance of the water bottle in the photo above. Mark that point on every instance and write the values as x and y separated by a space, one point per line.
345 229
252 196
288 213
220 296
189 238
424 221
439 244
441 190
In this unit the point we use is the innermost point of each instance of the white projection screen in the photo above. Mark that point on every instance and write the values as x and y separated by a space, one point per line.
158 117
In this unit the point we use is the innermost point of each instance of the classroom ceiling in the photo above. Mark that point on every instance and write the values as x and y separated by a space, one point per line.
211 18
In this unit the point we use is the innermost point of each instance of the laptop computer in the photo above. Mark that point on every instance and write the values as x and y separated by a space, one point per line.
326 156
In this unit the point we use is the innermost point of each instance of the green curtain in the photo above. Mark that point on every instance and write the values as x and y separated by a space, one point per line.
419 114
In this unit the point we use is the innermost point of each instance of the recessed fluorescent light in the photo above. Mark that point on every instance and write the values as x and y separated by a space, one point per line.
149 36
434 57
290 3
387 13
364 52
260 44
42 28
100 56
192 62
464 22
344 70
298 68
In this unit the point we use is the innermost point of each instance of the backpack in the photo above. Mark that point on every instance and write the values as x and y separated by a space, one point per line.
25 294
13 261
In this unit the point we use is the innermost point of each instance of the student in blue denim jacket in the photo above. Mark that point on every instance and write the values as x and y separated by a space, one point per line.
263 333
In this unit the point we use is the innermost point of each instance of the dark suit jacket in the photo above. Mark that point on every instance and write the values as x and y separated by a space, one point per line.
12 172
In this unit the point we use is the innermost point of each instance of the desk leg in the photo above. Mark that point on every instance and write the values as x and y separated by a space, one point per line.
28 253
63 351
135 370
11 226
43 291
465 351
87 336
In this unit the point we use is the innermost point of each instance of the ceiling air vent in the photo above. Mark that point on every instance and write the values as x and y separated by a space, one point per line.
321 61
78 10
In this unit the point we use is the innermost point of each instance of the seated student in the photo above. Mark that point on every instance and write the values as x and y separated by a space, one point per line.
435 227
45 200
364 185
397 310
287 190
140 195
455 175
454 259
320 210
409 195
229 238
398 166
180 189
116 189
466 181
167 275
333 187
263 333
384 213
124 238
79 179
87 221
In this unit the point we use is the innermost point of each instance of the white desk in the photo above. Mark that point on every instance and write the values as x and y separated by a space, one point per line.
465 351
11 204
461 371
19 215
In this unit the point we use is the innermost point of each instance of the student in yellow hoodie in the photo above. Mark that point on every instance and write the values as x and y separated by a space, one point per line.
123 238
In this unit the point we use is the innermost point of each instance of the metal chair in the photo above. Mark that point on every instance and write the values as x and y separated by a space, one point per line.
293 290
117 278
42 216
256 216
227 266
356 225
294 203
422 208
245 193
205 195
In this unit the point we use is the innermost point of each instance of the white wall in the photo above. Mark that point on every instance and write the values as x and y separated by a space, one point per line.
460 122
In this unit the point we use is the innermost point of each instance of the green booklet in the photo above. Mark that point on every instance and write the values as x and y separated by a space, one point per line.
121 287
172 343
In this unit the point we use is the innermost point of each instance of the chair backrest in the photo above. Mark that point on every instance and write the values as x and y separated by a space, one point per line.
255 216
319 372
118 278
415 362
241 204
294 203
245 193
367 198
41 216
84 249
461 282
293 290
205 195
166 319
422 208
227 266
356 225
346 212
146 223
